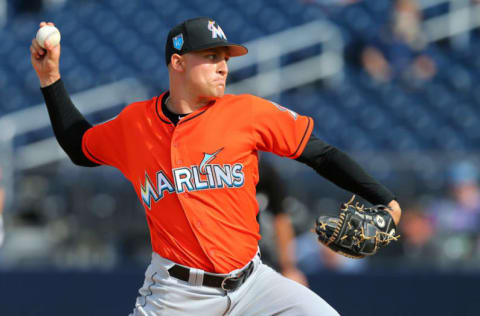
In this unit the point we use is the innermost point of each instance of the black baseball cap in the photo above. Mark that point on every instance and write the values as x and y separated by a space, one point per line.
197 34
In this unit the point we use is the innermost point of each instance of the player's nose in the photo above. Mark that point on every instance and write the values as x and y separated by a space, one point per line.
223 68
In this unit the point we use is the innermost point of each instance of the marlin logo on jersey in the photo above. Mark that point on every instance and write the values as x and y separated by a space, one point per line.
204 176
216 30
207 158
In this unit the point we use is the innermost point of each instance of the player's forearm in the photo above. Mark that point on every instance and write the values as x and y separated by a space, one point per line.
2 199
346 173
339 168
284 235
285 239
68 123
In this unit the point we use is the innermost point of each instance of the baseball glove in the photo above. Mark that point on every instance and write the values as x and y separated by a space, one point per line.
357 231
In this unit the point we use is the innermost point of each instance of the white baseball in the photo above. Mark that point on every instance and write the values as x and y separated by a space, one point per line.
48 33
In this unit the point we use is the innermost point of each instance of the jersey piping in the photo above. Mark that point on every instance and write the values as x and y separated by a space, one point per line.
302 141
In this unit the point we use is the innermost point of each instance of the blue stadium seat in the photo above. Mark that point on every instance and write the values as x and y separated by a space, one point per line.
460 79
231 21
79 78
299 12
402 139
213 9
272 20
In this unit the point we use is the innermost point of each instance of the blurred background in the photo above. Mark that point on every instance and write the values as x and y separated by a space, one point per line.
392 83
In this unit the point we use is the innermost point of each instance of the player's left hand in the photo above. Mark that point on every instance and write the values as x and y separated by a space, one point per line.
358 231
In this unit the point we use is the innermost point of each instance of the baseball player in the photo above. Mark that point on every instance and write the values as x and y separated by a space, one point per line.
191 154
282 255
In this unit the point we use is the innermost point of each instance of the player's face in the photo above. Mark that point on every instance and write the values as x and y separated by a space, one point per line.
206 72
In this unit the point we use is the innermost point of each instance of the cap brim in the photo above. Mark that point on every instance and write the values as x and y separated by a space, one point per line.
234 50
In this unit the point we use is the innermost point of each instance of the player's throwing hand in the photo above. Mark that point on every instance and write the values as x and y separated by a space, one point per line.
45 61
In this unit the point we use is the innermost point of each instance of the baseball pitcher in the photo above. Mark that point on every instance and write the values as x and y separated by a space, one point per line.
191 154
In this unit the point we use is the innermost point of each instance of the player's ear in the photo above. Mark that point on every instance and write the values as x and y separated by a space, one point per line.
177 62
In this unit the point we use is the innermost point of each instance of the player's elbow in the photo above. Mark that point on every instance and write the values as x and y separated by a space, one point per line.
78 158
71 142
82 161
76 154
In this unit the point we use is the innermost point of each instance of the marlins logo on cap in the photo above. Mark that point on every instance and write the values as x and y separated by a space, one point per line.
216 30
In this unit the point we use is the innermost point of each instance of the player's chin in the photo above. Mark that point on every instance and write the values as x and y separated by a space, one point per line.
218 91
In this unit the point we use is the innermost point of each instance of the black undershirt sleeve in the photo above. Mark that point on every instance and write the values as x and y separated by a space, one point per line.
272 186
68 123
339 168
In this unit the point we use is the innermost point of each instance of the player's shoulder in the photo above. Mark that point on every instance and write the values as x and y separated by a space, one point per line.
140 107
243 101
241 97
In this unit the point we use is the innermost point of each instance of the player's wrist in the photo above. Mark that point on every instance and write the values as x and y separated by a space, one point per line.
49 80
395 211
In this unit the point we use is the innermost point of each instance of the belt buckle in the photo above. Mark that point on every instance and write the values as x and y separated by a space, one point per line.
235 277
241 276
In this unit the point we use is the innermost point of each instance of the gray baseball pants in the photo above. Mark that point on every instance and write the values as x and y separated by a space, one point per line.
265 292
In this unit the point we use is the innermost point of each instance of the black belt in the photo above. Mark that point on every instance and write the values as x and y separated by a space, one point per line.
229 282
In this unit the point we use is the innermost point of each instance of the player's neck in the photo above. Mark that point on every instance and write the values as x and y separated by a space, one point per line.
183 105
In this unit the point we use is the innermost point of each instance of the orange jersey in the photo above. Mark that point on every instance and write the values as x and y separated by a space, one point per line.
197 180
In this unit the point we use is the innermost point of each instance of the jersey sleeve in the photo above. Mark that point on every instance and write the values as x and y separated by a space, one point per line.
279 130
104 143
